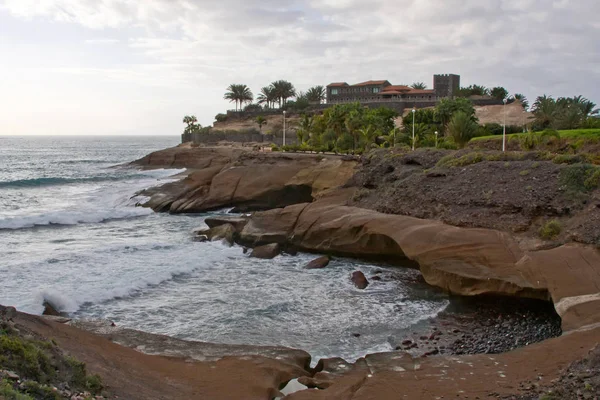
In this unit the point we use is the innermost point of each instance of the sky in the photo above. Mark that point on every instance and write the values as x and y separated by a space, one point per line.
136 67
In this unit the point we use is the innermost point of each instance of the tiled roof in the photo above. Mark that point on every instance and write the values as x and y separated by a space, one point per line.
370 83
400 88
419 91
337 84
388 92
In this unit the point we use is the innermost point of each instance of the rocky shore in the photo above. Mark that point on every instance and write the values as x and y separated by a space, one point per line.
539 314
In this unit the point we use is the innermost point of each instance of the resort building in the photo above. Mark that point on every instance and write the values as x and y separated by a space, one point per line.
383 91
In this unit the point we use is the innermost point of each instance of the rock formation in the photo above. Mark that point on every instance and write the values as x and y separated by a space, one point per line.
318 263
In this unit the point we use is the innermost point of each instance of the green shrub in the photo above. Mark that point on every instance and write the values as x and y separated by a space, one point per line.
550 230
25 358
593 180
221 117
567 159
525 172
9 393
94 384
580 177
40 392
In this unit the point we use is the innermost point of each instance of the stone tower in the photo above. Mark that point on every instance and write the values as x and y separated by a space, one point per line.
446 85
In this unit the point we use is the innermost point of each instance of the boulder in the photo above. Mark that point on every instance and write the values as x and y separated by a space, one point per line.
237 222
267 251
49 309
224 232
318 263
359 279
200 238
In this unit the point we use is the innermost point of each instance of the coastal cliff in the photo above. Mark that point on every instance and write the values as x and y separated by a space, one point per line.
462 194
431 210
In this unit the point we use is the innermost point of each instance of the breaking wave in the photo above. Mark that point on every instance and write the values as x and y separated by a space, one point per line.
72 217
53 181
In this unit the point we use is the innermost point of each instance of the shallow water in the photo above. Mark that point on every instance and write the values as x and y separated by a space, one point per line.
70 232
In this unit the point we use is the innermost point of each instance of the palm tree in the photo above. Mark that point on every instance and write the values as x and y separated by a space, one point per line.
190 120
586 106
316 94
544 110
462 128
239 94
283 91
267 96
246 95
419 86
260 120
305 128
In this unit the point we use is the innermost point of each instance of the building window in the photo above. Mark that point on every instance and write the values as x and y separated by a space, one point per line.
334 91
375 90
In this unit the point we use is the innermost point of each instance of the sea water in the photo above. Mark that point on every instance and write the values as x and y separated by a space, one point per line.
70 232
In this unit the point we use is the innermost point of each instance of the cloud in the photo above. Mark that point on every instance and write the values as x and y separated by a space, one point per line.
102 41
529 46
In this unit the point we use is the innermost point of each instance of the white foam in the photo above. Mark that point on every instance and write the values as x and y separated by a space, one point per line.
72 217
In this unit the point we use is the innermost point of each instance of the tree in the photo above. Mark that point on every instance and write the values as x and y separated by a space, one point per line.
283 91
305 128
419 85
260 120
544 109
499 93
192 127
446 108
267 96
587 107
190 120
462 128
473 90
521 98
239 94
316 94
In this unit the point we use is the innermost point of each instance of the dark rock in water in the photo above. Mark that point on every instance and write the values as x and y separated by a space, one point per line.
268 251
245 250
406 342
291 250
356 334
49 309
378 272
237 222
359 279
223 232
375 278
201 238
318 263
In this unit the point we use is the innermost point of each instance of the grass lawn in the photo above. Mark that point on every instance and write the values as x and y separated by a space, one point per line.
593 134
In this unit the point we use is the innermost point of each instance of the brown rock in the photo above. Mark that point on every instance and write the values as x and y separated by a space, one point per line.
237 222
359 279
49 309
225 232
267 251
376 278
318 263
248 180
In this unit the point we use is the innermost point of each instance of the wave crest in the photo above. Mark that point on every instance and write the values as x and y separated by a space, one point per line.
54 181
72 217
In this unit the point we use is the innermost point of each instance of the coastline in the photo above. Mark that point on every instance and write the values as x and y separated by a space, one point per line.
480 346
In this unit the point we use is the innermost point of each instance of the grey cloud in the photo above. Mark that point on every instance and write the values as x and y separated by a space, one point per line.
528 45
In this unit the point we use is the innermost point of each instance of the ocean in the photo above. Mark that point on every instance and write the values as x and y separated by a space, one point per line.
70 232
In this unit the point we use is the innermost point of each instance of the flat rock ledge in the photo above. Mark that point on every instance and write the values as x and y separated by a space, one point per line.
459 260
